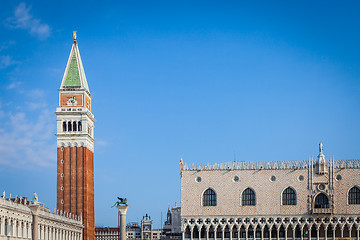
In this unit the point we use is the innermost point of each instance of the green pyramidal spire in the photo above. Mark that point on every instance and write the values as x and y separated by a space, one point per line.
74 76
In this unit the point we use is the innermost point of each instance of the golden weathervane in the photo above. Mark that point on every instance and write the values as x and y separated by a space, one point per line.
74 35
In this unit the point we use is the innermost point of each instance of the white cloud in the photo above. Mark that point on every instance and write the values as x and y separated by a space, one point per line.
13 85
36 93
101 143
22 19
6 45
6 61
25 143
35 105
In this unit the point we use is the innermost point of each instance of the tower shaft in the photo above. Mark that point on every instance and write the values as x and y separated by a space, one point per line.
75 145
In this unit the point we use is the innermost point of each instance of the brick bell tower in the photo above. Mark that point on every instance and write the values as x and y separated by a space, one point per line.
75 144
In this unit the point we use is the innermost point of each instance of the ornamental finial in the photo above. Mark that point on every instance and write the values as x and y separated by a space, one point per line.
74 35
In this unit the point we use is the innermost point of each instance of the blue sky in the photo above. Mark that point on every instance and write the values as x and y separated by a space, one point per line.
203 80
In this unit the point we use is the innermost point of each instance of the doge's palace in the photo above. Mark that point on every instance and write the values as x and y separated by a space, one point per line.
317 198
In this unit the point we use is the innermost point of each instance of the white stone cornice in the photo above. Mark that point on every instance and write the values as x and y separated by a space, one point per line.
77 143
60 111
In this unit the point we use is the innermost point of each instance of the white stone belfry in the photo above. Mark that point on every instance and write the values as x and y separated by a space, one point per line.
122 211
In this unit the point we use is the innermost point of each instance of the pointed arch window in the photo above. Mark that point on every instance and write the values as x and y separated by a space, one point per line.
209 197
354 195
248 197
79 126
69 126
321 201
74 126
64 126
289 196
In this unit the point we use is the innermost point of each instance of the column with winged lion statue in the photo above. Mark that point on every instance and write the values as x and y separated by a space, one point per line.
122 207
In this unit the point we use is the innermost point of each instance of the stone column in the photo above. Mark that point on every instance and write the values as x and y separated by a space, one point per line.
317 233
342 231
122 211
35 209
350 231
1 226
326 231
294 229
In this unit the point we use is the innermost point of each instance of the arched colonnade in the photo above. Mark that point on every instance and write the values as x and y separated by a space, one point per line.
279 228
21 229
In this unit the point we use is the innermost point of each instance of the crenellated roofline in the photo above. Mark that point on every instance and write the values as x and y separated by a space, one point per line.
259 165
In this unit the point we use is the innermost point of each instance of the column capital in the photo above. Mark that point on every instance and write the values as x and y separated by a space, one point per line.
35 208
123 209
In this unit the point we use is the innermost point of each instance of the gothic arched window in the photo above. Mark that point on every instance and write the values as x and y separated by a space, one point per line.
69 126
248 197
74 126
321 201
64 126
289 196
209 197
79 126
354 195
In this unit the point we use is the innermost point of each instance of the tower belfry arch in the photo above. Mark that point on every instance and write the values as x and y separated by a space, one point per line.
75 144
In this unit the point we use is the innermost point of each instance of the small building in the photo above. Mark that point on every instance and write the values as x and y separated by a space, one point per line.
147 231
107 233
133 231
172 225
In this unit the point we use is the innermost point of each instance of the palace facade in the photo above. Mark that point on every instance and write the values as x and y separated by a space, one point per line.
316 198
24 220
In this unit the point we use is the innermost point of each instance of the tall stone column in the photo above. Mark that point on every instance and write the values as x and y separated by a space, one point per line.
35 209
122 211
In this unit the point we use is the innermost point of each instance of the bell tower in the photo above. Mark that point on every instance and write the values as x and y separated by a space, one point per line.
75 144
